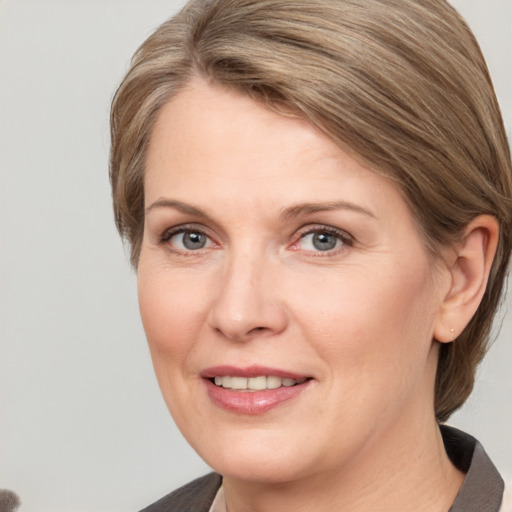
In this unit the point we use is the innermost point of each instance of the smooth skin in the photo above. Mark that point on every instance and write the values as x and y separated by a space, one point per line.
266 244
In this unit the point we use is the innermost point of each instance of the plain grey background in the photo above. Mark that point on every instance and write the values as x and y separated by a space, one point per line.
82 424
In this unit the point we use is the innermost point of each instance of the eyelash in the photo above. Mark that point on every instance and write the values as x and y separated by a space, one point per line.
343 237
167 236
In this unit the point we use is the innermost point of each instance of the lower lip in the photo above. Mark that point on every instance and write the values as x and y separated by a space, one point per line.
252 402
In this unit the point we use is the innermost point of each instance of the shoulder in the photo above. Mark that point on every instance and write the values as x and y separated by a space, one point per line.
196 496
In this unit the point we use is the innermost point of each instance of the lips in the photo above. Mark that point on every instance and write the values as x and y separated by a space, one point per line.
252 390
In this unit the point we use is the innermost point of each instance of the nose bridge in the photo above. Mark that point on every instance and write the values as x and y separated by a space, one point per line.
247 302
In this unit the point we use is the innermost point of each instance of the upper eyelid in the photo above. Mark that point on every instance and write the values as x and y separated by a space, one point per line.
346 239
181 215
188 226
166 235
315 228
308 228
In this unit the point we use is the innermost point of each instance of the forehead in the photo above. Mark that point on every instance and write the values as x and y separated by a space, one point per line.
205 118
216 146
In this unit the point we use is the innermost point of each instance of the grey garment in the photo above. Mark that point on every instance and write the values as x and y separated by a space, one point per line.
196 496
482 490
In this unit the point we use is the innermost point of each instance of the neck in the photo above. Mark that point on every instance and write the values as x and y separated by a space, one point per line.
409 471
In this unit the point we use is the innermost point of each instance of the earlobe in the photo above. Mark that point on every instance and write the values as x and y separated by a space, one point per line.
469 273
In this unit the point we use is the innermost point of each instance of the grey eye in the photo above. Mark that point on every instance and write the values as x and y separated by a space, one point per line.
190 240
324 241
320 241
194 240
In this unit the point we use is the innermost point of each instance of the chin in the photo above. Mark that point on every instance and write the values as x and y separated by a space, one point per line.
262 468
264 456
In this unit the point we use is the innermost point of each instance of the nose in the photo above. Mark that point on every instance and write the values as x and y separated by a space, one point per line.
247 302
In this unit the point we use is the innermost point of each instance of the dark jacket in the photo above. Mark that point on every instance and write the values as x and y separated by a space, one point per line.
482 490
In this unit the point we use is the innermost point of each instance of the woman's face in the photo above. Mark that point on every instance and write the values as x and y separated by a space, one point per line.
273 260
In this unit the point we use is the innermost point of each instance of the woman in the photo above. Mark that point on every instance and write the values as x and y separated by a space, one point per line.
318 200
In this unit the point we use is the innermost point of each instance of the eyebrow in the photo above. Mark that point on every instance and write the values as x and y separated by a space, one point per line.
288 213
310 208
176 205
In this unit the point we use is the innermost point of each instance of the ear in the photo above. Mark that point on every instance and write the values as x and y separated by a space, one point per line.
469 272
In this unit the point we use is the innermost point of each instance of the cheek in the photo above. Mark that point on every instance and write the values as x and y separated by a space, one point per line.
371 322
171 310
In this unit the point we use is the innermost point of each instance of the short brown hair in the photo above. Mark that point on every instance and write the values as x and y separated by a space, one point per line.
401 84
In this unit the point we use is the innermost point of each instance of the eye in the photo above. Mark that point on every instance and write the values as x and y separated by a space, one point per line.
187 240
322 240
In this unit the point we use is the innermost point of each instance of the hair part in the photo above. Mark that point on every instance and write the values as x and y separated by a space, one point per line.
399 84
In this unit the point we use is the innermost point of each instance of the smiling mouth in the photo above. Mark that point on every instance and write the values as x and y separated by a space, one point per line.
259 383
253 390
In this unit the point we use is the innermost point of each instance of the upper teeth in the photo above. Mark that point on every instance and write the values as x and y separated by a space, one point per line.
255 383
